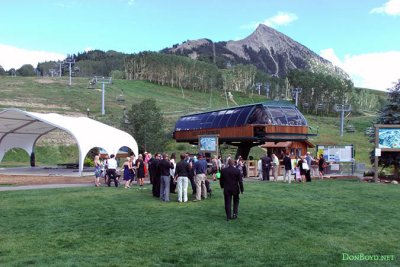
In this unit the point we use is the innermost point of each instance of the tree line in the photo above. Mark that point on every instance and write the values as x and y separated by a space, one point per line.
171 70
321 92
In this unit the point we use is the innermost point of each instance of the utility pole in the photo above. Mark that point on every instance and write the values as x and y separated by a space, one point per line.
342 108
103 81
59 65
296 91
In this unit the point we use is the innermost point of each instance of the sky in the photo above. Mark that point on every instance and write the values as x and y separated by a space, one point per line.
360 36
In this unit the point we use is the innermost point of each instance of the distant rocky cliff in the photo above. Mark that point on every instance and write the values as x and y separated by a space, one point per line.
266 48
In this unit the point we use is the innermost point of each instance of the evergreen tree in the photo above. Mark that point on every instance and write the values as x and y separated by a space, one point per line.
146 124
2 71
390 115
26 70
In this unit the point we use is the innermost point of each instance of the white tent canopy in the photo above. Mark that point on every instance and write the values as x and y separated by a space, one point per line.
21 129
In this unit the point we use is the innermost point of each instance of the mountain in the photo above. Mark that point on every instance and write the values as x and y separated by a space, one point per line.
267 49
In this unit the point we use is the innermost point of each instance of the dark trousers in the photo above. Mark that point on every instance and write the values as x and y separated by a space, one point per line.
156 186
265 173
112 175
193 184
172 185
228 203
308 176
152 178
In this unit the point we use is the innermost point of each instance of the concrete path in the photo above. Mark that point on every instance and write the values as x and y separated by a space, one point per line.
42 186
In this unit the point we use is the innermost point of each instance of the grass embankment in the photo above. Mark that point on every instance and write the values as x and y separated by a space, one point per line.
309 224
54 95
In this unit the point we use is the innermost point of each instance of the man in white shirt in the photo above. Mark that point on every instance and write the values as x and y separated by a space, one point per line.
111 171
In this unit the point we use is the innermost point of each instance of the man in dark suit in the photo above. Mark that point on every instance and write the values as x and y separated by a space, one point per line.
231 181
266 166
156 175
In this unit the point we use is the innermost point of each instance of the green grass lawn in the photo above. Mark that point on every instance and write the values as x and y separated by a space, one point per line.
279 225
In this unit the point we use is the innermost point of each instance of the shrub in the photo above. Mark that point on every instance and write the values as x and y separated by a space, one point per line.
118 74
88 162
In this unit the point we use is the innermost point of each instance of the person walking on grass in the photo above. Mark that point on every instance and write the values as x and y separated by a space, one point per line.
111 171
165 166
140 170
97 170
133 169
287 162
214 167
266 166
181 175
322 165
200 167
232 183
155 175
275 167
127 171
191 161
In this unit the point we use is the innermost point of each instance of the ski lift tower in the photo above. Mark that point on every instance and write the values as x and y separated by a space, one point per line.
70 61
103 81
342 108
296 91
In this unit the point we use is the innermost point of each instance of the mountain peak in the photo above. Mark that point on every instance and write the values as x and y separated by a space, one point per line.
266 48
261 28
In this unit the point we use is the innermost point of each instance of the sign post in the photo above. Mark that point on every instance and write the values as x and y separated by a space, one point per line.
208 144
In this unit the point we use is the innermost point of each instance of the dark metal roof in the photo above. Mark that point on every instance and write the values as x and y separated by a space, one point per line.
271 112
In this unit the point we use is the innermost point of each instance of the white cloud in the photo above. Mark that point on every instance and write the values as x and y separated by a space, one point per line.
374 70
392 7
14 57
282 18
131 2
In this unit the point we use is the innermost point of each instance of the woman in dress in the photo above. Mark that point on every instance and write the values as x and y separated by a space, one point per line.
140 170
97 170
127 172
132 169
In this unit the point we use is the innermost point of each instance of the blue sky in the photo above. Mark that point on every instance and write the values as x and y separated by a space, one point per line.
362 37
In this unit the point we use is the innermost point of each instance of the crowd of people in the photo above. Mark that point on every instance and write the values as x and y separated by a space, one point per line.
300 168
166 175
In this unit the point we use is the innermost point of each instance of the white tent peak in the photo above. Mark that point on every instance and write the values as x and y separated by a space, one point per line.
21 129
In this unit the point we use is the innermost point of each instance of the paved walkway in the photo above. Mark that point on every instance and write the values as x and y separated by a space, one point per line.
42 186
